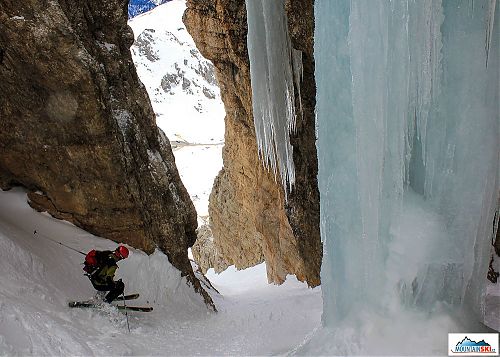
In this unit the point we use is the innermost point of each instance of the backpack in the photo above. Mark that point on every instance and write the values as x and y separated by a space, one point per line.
90 264
94 260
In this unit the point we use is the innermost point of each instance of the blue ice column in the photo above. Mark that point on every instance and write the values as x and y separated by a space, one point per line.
408 149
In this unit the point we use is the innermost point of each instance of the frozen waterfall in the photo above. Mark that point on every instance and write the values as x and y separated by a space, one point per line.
408 149
408 118
408 146
273 70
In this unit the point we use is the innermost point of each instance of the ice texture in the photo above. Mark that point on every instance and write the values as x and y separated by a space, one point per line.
272 74
408 149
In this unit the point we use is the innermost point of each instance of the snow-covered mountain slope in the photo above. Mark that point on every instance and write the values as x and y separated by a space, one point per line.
184 94
39 277
180 82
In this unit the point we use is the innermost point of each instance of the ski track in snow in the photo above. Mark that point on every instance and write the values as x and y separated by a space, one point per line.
39 277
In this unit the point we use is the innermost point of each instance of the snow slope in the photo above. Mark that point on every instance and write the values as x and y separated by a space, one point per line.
185 97
180 82
39 277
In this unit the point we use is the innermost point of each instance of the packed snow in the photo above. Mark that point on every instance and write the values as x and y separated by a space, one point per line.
40 276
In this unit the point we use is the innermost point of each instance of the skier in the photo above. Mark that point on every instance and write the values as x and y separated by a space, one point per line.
100 267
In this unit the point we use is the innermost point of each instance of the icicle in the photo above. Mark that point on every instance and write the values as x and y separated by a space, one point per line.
489 28
272 78
425 46
298 72
403 95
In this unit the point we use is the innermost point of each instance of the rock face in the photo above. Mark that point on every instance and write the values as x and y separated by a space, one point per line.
77 128
248 215
206 253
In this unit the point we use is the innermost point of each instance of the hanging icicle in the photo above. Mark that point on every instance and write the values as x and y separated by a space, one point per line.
272 76
489 28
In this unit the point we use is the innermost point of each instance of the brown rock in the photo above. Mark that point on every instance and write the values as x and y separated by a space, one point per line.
248 215
303 202
205 253
77 127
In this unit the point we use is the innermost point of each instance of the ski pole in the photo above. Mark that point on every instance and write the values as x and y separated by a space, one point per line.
64 245
125 308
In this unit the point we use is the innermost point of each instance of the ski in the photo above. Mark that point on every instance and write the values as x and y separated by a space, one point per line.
127 297
94 301
89 304
135 308
86 303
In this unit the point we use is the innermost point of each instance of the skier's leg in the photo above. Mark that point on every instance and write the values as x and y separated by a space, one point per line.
100 295
102 290
116 291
